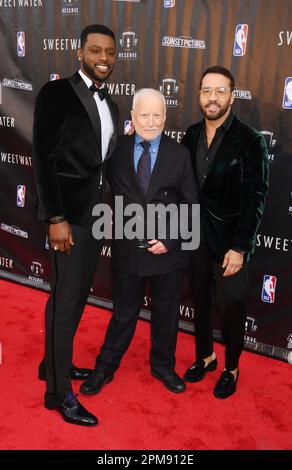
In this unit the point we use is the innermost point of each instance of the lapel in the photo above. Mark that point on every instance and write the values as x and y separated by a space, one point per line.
115 118
193 148
130 169
163 165
225 152
89 104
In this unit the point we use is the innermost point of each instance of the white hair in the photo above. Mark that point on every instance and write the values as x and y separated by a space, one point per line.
147 92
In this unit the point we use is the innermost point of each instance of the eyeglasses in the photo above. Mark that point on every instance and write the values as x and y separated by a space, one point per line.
220 91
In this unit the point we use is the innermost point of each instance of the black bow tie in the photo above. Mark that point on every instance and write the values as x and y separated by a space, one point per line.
102 92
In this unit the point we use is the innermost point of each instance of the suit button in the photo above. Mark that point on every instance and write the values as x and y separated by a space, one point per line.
165 193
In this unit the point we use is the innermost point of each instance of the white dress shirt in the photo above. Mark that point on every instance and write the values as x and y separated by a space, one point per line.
106 122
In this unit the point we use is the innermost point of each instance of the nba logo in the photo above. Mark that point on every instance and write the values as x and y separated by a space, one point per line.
240 39
21 44
54 76
287 97
169 3
128 127
20 199
268 290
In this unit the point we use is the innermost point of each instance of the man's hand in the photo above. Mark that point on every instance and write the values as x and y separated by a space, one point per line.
61 238
158 248
233 262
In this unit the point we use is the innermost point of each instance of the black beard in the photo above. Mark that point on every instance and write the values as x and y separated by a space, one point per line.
92 74
220 113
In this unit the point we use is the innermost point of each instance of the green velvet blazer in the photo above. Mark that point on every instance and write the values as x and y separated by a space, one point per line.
233 196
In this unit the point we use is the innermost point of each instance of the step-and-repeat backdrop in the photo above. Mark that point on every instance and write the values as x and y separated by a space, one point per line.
163 44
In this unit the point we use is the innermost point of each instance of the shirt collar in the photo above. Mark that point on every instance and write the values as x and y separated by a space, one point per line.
155 142
226 124
88 80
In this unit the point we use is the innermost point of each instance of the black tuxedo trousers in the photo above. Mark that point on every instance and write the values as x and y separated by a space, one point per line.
71 280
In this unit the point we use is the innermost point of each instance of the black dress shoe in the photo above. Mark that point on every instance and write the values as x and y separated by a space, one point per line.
80 373
226 385
71 410
198 370
77 373
172 382
95 382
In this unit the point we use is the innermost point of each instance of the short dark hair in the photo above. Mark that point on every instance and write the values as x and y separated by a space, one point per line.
95 28
221 71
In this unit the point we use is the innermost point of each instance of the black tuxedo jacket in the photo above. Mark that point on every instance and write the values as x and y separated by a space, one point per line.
67 149
172 181
232 198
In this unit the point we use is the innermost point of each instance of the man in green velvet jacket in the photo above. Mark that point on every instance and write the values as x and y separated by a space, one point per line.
231 167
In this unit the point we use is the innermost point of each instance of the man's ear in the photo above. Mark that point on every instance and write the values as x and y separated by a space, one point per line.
79 53
232 97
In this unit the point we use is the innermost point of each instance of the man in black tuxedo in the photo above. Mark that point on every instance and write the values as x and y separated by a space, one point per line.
74 135
147 168
231 168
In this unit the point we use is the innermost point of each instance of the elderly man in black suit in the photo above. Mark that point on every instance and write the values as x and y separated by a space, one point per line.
147 168
75 130
231 168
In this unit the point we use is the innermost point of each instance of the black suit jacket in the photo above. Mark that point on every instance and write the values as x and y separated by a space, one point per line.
232 198
67 149
172 181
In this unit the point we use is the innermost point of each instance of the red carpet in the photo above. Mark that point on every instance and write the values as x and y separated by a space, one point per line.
135 411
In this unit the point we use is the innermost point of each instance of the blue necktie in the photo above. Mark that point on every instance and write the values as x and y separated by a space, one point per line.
144 166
